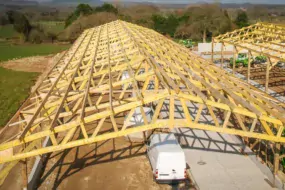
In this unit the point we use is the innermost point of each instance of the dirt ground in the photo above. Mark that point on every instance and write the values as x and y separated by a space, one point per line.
276 77
112 164
29 64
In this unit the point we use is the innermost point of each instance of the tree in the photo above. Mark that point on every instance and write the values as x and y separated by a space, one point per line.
106 7
36 36
165 25
84 9
241 19
20 22
139 14
81 9
51 36
72 32
204 21
4 19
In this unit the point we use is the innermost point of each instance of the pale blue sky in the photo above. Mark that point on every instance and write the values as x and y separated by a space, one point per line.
211 1
196 1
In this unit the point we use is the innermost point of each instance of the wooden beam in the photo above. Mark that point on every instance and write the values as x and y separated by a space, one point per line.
24 172
234 59
29 124
222 55
248 66
212 49
267 75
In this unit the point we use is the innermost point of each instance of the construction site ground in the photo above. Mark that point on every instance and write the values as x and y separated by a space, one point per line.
29 64
214 159
111 164
216 162
119 164
258 74
276 77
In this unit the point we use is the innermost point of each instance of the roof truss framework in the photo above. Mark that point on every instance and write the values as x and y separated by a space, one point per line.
261 39
258 39
85 90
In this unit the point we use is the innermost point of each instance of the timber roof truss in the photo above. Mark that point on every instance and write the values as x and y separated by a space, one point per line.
88 87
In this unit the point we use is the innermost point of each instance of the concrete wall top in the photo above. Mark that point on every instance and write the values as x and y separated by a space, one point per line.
207 47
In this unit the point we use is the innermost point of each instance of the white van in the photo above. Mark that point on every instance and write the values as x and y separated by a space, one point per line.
166 157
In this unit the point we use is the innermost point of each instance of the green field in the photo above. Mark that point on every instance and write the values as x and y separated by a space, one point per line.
7 31
14 85
14 89
51 26
10 51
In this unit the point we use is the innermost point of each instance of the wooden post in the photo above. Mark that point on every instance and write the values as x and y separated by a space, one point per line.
276 163
212 57
248 66
222 55
234 60
266 152
276 158
278 146
267 76
24 172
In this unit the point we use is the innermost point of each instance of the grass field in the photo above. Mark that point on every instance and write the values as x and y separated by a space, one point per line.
7 31
14 89
52 26
14 85
10 51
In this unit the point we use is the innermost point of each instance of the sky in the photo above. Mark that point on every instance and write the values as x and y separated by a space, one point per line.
195 1
212 1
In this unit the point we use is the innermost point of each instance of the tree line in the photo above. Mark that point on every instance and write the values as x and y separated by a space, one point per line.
85 9
29 32
198 23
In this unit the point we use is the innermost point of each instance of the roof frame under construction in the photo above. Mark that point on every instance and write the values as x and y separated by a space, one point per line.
265 39
86 88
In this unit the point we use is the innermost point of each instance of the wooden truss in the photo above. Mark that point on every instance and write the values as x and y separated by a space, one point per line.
258 39
88 88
